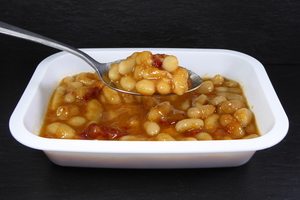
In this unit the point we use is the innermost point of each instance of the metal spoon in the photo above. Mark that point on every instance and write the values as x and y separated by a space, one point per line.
101 68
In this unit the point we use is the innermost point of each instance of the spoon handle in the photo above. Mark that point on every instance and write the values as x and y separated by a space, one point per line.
27 35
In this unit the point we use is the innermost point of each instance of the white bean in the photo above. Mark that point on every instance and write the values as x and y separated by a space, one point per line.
128 83
94 110
211 123
226 119
218 80
63 112
144 58
164 137
160 111
127 66
60 130
57 97
85 78
185 105
251 136
180 81
229 107
201 112
69 98
163 87
111 95
151 128
188 124
113 72
145 87
188 139
244 116
76 121
170 63
236 130
215 101
132 138
200 100
74 85
203 136
206 87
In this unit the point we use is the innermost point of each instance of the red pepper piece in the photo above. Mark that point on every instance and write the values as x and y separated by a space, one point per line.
158 61
97 131
92 93
192 133
168 123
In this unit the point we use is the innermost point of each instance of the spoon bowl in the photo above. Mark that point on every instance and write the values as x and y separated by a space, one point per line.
101 68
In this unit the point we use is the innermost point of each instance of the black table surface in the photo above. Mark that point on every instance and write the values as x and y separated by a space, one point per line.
266 30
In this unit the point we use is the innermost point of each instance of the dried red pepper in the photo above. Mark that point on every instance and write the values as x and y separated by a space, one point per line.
100 132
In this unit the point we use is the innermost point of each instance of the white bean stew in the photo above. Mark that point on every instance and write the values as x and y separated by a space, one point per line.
82 107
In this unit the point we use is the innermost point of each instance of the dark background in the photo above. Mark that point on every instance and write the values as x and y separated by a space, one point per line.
266 30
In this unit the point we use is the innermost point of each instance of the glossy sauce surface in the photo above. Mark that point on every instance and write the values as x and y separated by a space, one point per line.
81 107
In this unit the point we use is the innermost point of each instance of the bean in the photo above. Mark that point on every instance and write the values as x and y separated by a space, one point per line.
226 119
155 73
235 90
163 87
68 80
151 128
160 111
203 136
144 58
94 110
201 112
85 78
228 90
252 136
200 101
180 81
215 101
211 123
188 124
188 139
218 80
76 121
127 98
233 96
113 72
132 138
229 107
81 92
111 95
57 97
62 112
221 89
206 87
250 128
69 98
235 130
243 116
164 137
128 83
231 83
126 66
170 63
60 130
185 105
138 72
145 87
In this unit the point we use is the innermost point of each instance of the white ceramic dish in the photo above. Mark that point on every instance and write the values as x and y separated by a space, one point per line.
271 119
